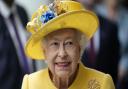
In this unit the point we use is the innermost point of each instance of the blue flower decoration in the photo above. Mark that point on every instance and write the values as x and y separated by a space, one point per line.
48 15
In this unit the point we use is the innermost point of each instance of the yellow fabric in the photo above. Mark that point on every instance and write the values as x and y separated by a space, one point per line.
86 79
75 16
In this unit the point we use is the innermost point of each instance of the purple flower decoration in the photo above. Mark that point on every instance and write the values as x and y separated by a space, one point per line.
48 15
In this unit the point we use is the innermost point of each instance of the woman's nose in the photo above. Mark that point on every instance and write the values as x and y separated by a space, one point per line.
62 52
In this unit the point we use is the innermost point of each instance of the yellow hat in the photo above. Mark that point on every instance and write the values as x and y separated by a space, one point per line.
58 15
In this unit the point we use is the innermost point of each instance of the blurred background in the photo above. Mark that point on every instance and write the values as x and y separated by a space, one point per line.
107 51
32 5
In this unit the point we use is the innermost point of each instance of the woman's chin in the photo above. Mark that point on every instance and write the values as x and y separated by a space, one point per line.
63 74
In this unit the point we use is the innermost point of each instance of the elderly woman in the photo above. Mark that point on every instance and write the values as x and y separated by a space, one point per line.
59 32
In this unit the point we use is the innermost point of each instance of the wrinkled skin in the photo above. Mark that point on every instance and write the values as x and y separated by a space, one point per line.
62 53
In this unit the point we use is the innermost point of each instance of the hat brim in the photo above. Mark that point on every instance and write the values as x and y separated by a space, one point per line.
84 21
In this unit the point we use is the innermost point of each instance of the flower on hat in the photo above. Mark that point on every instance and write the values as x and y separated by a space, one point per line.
48 15
53 10
44 14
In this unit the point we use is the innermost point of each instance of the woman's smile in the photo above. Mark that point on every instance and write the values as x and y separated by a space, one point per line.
62 65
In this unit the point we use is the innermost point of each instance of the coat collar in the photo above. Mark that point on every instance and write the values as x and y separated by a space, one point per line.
77 84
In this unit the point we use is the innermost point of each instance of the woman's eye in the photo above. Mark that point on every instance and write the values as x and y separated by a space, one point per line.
55 44
69 43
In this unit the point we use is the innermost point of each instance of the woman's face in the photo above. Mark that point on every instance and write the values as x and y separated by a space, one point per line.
62 52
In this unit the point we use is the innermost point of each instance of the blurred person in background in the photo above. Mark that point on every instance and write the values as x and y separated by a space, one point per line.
103 50
13 64
125 3
116 11
123 66
123 82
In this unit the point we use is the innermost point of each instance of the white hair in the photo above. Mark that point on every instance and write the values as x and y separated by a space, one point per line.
82 41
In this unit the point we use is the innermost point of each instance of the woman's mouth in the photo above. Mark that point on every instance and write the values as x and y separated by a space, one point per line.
62 65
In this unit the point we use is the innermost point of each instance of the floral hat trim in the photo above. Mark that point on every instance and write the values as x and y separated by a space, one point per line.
44 14
48 15
53 11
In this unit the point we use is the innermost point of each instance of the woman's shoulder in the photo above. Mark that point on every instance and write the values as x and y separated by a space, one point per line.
94 77
36 76
35 79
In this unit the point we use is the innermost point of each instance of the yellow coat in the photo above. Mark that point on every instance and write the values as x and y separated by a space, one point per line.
86 79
